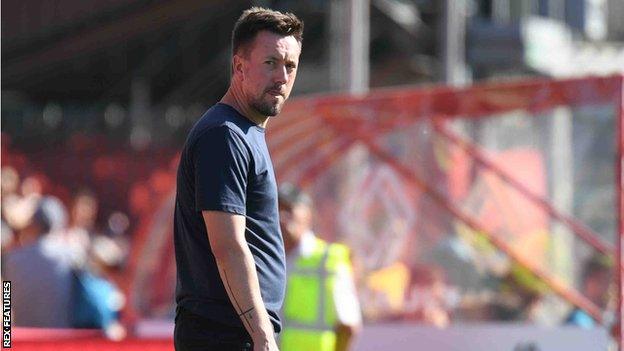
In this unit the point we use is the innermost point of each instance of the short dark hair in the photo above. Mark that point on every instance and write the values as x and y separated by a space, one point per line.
290 194
257 19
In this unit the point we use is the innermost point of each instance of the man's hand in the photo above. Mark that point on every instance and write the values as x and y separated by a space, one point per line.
345 335
266 344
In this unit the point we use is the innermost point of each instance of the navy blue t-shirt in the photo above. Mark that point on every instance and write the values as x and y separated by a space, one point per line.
225 166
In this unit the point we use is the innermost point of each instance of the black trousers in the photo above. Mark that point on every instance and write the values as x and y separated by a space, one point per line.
196 333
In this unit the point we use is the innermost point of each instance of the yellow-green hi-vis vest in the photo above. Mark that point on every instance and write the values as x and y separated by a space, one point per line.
309 310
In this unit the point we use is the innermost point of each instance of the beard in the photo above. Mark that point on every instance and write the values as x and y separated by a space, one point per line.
267 108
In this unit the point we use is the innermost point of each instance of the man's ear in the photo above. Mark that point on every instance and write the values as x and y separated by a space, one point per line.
237 66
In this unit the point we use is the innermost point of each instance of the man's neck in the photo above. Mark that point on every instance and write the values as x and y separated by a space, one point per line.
233 97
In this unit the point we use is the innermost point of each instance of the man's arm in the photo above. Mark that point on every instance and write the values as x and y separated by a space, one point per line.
348 315
226 233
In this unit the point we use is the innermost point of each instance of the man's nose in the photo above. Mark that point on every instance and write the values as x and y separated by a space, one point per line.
280 75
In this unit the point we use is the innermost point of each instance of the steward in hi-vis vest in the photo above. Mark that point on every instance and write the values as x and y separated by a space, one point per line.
321 310
309 306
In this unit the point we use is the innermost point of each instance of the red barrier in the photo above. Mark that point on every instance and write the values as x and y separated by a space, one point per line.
40 339
94 345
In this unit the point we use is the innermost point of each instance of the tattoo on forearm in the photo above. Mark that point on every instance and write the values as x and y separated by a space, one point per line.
245 315
249 310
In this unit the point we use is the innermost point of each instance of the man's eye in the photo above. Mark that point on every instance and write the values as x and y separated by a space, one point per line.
269 62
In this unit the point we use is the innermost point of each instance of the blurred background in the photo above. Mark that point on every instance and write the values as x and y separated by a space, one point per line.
485 160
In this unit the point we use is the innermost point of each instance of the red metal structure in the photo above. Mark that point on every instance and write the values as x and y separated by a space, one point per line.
341 121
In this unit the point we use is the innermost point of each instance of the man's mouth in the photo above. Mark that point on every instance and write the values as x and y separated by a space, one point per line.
275 92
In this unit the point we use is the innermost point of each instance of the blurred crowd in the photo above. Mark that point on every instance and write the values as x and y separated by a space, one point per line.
64 266
457 283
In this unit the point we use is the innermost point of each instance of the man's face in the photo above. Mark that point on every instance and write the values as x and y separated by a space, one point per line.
295 220
84 211
597 287
267 70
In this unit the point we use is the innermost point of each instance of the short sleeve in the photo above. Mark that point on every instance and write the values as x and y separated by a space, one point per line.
221 163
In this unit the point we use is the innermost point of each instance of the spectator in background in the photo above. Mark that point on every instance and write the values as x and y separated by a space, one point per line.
595 283
97 300
8 236
310 260
19 200
9 188
460 262
40 270
32 186
427 297
10 184
84 211
519 296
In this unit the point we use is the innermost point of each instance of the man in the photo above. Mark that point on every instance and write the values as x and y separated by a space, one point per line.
96 298
321 310
229 249
596 281
40 270
82 224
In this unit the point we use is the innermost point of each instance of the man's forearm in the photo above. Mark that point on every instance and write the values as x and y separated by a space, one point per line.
237 270
238 273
